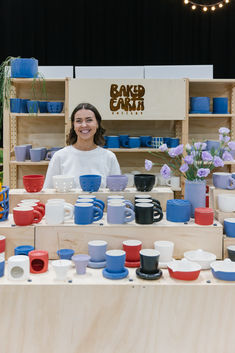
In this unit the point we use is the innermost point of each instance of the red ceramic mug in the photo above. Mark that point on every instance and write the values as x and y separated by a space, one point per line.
2 243
132 249
24 216
38 206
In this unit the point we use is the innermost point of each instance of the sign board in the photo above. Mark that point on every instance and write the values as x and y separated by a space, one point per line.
131 99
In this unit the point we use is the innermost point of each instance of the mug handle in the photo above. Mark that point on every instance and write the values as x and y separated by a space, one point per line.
41 205
98 204
168 182
101 203
129 215
37 216
232 181
125 143
97 213
40 209
130 204
68 208
158 204
149 143
48 156
157 214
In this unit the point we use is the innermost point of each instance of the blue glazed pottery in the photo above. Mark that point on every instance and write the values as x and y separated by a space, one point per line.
2 266
200 105
15 105
25 68
174 142
223 270
23 106
43 107
90 182
229 227
220 105
23 249
113 141
146 141
115 264
124 140
134 142
65 254
178 210
167 141
55 107
32 107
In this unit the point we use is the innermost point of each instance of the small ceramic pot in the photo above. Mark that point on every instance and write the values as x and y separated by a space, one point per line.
203 258
184 270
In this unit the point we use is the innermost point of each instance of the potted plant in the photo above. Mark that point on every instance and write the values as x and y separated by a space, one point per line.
194 163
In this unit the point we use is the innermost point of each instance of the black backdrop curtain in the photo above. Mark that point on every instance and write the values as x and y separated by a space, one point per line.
124 32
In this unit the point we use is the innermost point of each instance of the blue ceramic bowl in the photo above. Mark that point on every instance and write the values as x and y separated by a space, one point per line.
65 253
223 270
43 107
90 182
55 107
23 249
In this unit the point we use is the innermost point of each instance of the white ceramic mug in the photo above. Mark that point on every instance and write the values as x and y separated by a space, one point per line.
226 202
166 250
58 212
174 182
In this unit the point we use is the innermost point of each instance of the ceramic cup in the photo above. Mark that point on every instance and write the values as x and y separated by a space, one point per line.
58 212
231 252
97 250
174 142
132 249
118 199
29 202
156 142
165 248
63 183
220 105
18 268
226 202
23 249
123 140
116 182
115 261
33 205
229 227
65 254
154 201
118 213
199 105
147 213
61 268
223 180
100 203
146 141
149 259
2 266
2 243
20 153
81 262
212 145
178 210
86 213
173 182
144 182
133 142
90 182
113 142
35 154
24 216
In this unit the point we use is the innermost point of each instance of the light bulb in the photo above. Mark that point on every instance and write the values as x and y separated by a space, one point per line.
220 5
227 1
213 8
193 7
186 1
205 8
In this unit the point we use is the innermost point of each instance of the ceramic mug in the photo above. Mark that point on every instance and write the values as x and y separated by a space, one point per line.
118 213
165 249
226 202
229 227
86 213
63 183
24 216
223 180
173 182
58 212
147 213
93 197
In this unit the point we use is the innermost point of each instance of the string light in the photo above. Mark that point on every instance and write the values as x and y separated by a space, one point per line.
205 7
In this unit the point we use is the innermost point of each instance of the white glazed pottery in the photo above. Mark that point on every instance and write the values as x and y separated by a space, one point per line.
201 257
63 183
18 268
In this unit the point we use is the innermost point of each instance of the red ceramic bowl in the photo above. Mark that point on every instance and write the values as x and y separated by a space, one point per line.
184 270
33 183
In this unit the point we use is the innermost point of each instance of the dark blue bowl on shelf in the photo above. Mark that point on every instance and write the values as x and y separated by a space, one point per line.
15 105
43 107
55 107
32 107
199 105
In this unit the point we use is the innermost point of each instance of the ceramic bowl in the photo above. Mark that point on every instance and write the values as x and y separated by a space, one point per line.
55 107
224 270
203 258
63 183
184 270
33 183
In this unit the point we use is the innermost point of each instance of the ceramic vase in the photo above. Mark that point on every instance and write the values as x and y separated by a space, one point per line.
195 192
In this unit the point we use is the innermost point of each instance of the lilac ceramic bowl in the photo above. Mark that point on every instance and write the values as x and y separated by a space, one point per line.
116 182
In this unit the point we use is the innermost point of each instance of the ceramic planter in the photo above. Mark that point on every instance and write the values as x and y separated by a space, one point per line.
24 68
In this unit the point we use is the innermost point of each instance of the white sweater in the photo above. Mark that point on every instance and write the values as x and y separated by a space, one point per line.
73 162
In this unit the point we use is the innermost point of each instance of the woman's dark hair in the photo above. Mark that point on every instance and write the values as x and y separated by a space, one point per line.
98 137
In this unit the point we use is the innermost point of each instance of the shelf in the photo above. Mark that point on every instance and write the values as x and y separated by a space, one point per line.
34 115
133 149
25 80
29 163
211 115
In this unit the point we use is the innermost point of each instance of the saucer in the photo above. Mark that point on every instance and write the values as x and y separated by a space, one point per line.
143 275
132 263
111 275
93 264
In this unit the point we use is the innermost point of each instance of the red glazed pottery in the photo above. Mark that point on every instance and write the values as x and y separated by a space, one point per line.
24 216
204 216
38 261
132 249
184 270
2 243
33 183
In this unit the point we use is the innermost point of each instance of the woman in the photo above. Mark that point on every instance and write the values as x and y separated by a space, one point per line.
84 154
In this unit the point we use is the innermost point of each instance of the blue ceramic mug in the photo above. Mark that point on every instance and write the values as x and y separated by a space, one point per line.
146 141
229 227
2 266
200 105
32 107
223 180
97 250
220 105
15 105
118 213
93 198
113 142
95 202
133 142
86 213
174 142
212 144
123 140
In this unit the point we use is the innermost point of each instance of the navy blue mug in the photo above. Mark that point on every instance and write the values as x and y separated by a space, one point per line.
15 105
146 141
220 105
124 140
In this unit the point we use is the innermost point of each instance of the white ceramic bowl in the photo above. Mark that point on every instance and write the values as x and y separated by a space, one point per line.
63 183
203 258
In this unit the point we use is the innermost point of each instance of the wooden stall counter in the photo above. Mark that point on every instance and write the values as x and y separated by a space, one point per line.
16 195
96 315
186 237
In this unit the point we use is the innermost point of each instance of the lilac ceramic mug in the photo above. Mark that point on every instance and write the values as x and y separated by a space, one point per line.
223 180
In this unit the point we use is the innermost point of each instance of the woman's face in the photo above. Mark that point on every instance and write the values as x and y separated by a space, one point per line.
85 124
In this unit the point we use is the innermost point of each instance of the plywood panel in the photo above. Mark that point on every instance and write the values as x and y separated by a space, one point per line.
185 236
144 99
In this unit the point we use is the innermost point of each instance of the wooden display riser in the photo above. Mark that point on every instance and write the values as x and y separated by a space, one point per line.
185 236
16 236
96 315
16 195
228 241
214 192
220 216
